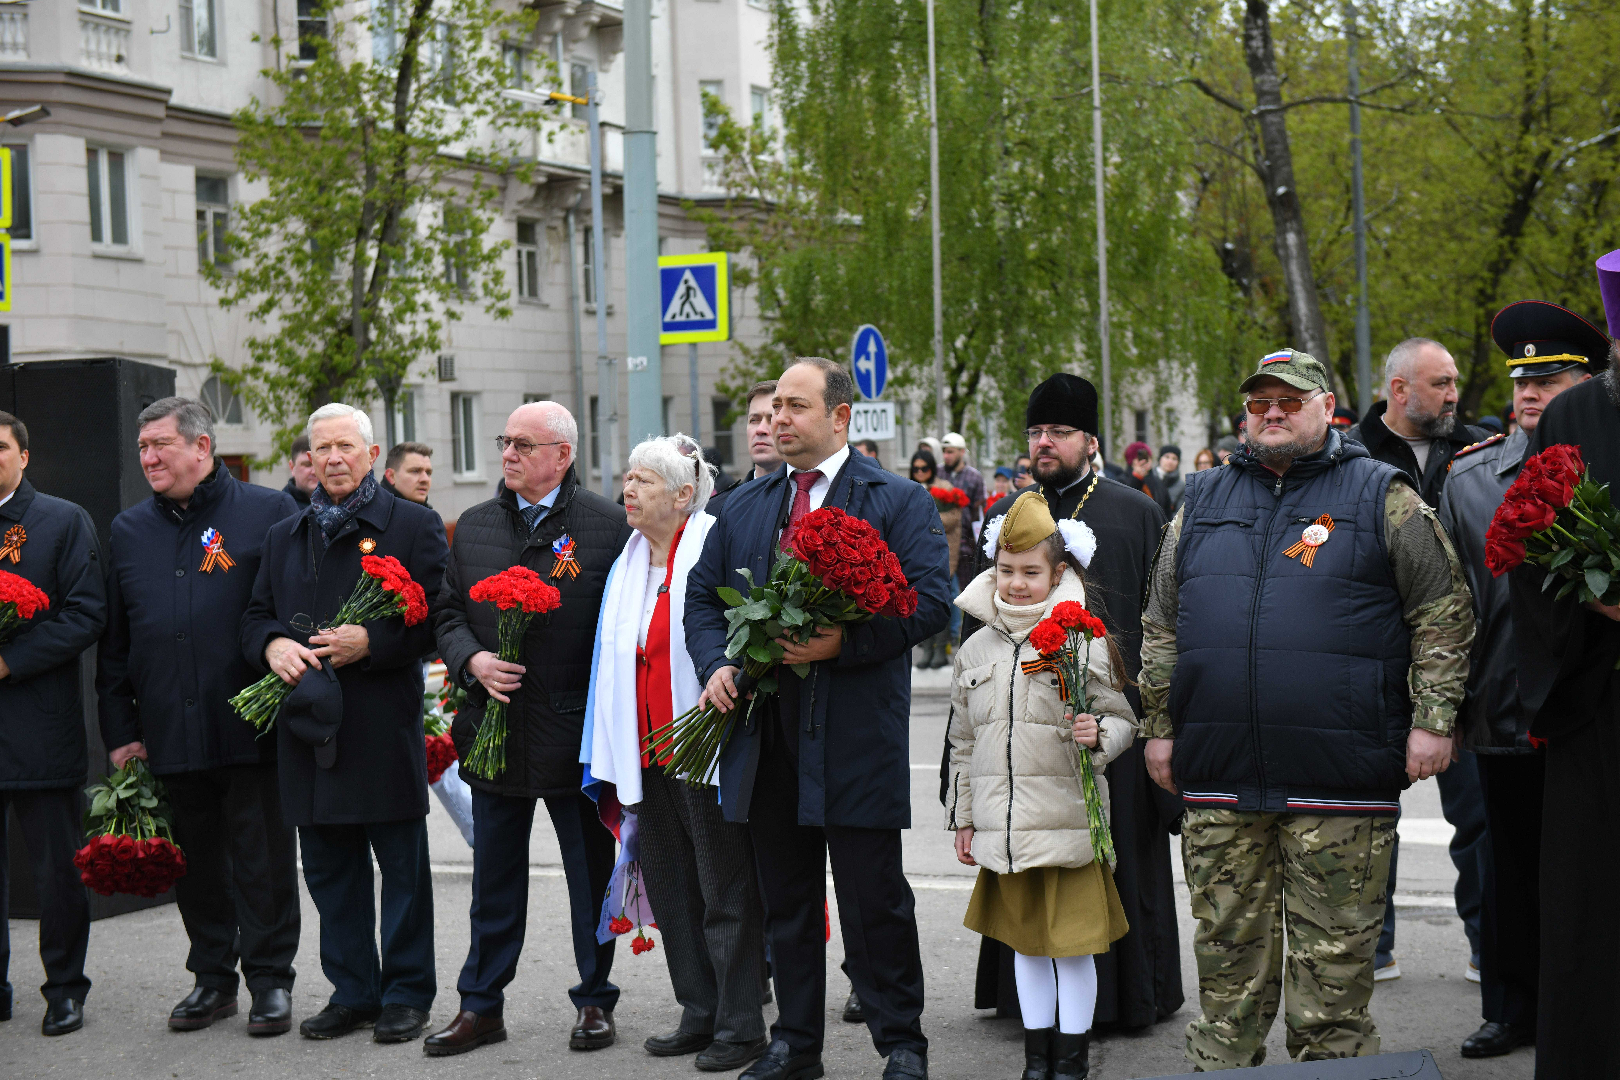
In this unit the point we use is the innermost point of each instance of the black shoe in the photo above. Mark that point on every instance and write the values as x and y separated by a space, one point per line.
62 1017
677 1043
335 1021
201 1008
271 1013
593 1029
905 1065
1071 1055
1494 1040
729 1056
399 1023
1038 1054
779 1062
853 1013
468 1031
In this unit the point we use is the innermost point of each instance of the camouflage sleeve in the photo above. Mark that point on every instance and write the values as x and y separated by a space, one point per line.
1159 635
1439 608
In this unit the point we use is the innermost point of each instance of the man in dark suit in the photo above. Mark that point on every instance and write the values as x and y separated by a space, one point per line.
823 768
168 666
43 754
371 800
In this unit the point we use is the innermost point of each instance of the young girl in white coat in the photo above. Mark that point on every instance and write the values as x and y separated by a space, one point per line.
1015 800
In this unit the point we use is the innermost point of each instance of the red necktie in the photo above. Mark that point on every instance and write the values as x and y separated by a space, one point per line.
803 482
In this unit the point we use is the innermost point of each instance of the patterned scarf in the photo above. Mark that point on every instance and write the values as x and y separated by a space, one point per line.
330 516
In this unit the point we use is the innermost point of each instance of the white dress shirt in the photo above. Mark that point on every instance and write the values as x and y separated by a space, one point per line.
828 469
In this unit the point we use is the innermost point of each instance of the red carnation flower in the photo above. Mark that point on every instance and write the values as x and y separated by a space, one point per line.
641 943
1068 614
1048 637
620 925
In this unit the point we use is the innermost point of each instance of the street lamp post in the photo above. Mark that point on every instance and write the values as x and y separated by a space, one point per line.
933 214
607 382
1102 243
1359 207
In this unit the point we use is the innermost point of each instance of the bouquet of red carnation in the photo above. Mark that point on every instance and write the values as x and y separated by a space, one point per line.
837 570
131 848
1558 518
949 498
520 594
20 600
385 589
1064 640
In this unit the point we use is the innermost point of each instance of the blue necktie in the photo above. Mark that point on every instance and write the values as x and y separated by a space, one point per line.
532 515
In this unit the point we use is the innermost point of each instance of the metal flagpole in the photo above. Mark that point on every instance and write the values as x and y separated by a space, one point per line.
933 213
607 383
1102 245
1359 206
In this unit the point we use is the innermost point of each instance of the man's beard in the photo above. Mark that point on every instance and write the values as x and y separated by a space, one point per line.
1433 425
1059 475
1281 455
1611 376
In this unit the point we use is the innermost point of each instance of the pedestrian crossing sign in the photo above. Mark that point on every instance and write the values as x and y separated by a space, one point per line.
694 292
5 191
5 271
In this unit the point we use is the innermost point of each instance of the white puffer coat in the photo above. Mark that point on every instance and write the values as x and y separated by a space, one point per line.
1015 767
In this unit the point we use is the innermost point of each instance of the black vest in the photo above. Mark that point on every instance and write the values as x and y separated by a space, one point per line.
1289 693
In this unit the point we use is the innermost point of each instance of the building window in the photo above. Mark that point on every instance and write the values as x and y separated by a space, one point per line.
1141 418
213 219
711 124
721 408
588 263
237 466
1172 425
457 235
517 66
669 415
759 106
384 32
114 6
197 34
312 28
596 456
22 193
441 57
405 414
464 432
109 196
528 260
222 401
579 86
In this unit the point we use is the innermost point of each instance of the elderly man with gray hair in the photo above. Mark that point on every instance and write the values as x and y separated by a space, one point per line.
359 791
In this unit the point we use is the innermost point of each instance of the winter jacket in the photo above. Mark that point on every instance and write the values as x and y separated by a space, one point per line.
42 737
546 719
170 661
1015 767
1386 446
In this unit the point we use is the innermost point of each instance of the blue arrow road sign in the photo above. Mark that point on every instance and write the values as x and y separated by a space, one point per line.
869 356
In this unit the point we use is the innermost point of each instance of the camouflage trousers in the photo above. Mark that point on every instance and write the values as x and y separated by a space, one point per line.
1251 876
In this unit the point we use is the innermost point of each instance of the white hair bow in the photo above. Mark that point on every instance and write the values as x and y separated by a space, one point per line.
1080 541
992 533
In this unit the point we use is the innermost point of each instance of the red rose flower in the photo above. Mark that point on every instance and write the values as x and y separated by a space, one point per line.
1524 515
441 754
1048 637
1502 554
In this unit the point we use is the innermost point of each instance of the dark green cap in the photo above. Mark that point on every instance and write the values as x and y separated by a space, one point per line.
1299 370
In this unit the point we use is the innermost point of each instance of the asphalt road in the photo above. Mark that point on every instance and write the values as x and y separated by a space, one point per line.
137 964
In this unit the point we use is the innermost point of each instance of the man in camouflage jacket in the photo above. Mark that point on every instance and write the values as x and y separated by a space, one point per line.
1305 649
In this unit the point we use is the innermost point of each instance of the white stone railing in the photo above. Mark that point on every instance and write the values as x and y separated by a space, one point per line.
13 34
103 44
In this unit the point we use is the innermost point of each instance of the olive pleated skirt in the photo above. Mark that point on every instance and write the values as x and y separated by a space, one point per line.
1049 910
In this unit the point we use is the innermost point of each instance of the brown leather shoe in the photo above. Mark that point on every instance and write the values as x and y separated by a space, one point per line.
468 1031
593 1030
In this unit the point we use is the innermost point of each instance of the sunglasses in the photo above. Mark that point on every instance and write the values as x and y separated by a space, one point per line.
1261 405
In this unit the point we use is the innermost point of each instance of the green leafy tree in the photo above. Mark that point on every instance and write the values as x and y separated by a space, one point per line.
386 139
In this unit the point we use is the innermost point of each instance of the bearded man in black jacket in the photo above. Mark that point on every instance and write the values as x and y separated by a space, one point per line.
544 519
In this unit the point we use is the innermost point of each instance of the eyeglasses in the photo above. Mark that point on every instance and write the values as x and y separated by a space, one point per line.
523 446
1259 406
1056 434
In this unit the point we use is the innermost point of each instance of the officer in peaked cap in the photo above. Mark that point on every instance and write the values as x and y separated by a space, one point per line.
1544 339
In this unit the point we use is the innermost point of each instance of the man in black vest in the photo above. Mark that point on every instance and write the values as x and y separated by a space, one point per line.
43 753
168 666
1305 648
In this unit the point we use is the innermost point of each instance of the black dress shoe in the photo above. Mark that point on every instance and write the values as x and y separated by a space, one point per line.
779 1062
853 1013
62 1017
399 1023
677 1043
468 1031
271 1013
905 1065
729 1056
335 1021
1071 1055
202 1007
593 1029
1038 1053
1494 1040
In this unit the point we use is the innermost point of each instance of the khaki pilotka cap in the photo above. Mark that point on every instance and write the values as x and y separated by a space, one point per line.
1299 370
1028 522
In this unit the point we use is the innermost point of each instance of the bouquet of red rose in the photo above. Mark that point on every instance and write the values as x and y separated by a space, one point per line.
131 848
385 589
20 600
1558 518
1064 640
837 570
519 594
949 498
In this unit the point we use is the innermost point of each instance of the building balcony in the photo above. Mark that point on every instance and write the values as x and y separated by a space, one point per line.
104 43
13 32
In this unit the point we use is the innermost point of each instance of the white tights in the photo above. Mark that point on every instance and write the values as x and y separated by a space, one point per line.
1063 991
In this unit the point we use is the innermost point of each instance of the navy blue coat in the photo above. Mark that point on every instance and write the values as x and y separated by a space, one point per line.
170 660
42 739
381 770
855 762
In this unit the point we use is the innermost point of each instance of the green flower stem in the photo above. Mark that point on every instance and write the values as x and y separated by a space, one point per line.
487 758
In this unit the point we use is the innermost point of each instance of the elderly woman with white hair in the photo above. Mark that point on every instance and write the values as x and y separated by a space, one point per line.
697 867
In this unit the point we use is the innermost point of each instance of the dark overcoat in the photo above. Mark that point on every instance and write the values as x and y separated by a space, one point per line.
546 720
381 771
171 660
854 754
42 741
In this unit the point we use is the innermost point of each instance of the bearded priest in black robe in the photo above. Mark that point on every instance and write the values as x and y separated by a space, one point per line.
1139 979
1570 693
